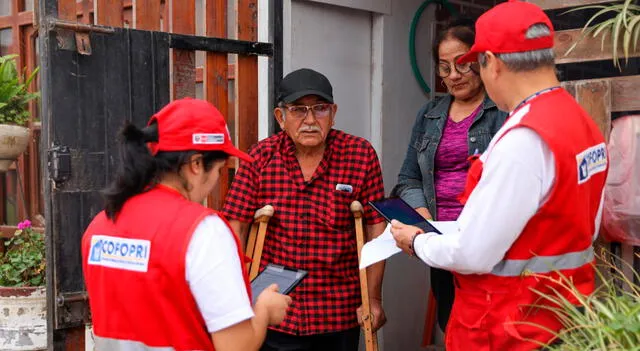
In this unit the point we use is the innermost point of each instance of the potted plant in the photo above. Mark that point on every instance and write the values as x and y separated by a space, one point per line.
621 27
23 304
14 112
609 318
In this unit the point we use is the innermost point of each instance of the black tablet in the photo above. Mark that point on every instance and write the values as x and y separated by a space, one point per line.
286 278
398 209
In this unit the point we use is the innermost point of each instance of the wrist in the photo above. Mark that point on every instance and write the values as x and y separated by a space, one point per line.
413 241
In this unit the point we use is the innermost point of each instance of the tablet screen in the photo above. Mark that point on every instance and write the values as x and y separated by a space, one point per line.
287 279
398 209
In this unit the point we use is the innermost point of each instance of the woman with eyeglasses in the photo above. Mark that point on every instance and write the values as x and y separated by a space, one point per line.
447 131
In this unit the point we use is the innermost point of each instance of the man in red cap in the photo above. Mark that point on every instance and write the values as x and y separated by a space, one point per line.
533 198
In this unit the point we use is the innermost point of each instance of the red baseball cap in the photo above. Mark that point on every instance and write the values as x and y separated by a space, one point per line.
193 124
502 29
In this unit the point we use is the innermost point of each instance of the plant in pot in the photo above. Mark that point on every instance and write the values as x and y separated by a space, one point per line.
609 319
22 290
620 24
14 111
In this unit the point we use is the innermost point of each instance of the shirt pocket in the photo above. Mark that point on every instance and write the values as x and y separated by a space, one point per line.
341 216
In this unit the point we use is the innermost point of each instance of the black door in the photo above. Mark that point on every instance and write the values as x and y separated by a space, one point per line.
88 93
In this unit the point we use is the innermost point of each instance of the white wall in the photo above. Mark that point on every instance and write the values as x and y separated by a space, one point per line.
405 285
377 6
328 47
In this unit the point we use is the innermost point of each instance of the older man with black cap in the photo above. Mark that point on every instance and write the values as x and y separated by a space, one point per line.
310 173
533 198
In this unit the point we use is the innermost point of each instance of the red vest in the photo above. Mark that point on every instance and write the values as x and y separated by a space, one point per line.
493 311
134 272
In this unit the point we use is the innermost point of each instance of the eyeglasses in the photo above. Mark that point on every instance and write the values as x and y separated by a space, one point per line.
318 110
444 69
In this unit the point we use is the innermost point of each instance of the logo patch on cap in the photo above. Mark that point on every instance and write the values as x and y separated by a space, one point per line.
203 138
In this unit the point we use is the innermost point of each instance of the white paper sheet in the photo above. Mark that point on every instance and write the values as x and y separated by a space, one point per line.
384 246
378 249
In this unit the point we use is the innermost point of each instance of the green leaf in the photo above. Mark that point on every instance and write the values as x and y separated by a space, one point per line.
14 91
612 8
634 327
624 27
616 37
634 27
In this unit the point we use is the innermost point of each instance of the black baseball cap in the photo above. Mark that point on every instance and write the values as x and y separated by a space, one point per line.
303 82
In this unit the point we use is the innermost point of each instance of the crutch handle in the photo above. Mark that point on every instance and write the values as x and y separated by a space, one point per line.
356 208
255 242
266 211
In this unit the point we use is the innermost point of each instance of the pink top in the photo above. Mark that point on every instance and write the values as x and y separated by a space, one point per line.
451 167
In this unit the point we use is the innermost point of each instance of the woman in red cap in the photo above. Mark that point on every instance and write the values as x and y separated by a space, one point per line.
162 271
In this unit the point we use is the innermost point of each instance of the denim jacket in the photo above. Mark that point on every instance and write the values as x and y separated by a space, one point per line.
415 181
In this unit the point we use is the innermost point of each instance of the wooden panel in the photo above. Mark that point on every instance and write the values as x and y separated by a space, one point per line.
24 18
558 4
146 14
595 98
87 12
67 10
183 21
108 12
6 22
216 81
624 92
231 73
246 102
588 48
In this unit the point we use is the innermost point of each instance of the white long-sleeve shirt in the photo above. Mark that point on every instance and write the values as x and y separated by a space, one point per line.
516 181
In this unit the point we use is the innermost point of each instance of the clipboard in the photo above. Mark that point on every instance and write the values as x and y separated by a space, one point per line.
398 209
286 278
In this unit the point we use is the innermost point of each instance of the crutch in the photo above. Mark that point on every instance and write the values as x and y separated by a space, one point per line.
370 337
255 242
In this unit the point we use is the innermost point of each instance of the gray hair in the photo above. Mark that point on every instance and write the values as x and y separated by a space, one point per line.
283 107
527 60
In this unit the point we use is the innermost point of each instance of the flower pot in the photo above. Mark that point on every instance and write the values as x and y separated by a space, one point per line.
23 318
13 141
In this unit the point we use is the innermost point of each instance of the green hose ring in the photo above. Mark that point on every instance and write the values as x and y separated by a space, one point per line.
412 39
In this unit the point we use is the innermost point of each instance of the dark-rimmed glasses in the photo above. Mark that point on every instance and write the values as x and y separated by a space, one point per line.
444 69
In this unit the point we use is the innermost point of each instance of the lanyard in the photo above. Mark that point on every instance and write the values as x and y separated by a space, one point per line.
531 97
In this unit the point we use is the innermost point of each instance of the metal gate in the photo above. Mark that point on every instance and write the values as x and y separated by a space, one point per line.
93 79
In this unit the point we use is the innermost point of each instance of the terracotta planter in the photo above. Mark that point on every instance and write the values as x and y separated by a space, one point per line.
23 318
13 142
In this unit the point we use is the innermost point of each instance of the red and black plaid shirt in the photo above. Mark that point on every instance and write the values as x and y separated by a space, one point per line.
313 227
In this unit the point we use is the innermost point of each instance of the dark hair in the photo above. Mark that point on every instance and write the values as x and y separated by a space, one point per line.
138 168
459 28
